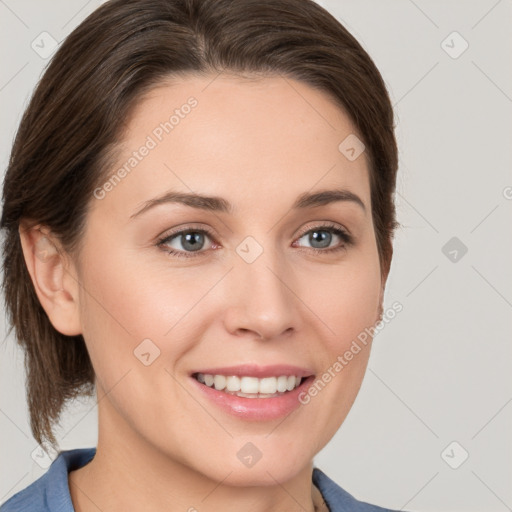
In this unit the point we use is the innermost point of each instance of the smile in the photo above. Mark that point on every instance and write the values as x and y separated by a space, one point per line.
251 392
250 387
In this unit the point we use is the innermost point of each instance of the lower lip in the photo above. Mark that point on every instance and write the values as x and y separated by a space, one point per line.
256 409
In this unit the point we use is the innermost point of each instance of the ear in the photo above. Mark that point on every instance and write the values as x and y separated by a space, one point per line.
54 277
382 288
380 311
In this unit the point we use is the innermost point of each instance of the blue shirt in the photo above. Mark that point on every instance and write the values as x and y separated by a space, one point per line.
50 492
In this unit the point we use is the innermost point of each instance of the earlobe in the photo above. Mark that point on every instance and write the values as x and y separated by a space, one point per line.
384 280
381 305
52 275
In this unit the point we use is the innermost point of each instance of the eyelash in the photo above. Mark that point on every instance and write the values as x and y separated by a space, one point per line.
332 228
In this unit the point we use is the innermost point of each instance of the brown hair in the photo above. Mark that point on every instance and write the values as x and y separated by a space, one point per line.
64 143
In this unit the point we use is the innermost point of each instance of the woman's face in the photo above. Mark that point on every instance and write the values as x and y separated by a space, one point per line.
260 282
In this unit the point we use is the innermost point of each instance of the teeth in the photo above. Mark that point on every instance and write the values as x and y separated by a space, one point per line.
268 385
232 383
250 387
282 383
219 381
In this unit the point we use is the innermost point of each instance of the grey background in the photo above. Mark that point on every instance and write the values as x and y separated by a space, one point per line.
440 371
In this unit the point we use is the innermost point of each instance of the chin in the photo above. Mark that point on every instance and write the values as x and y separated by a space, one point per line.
267 466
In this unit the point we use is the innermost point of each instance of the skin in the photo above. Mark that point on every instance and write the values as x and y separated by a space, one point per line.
259 144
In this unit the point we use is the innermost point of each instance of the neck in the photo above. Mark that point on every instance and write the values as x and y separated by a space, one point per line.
128 473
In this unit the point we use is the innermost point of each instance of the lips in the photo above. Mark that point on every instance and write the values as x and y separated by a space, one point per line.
252 370
252 392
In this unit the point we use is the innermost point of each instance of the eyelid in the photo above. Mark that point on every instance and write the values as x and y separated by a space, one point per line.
185 229
323 224
345 234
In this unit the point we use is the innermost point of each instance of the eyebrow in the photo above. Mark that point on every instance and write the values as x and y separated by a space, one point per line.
219 204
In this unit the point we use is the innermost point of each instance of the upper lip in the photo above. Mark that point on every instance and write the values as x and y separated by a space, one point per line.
253 370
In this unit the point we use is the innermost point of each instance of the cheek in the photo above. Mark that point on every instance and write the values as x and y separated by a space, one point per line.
133 326
353 311
348 305
346 299
128 300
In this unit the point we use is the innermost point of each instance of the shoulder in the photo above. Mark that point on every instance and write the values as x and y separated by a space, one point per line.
337 499
50 492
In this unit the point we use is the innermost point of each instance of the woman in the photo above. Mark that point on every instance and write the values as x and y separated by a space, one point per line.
199 217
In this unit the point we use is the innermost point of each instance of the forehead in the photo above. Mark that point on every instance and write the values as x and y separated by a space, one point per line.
272 137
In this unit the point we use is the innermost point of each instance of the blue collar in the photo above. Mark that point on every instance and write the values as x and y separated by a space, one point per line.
50 493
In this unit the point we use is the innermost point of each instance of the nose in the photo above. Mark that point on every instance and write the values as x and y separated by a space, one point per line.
262 302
